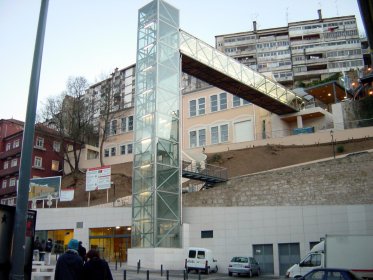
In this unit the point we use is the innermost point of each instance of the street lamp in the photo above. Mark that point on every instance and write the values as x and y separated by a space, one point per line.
331 134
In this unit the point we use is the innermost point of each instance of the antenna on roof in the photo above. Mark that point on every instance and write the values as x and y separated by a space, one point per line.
287 15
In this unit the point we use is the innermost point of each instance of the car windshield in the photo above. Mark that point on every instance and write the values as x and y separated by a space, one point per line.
240 259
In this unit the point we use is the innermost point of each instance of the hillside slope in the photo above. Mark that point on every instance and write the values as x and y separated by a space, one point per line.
237 162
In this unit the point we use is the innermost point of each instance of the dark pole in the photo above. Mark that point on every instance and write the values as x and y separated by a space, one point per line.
18 249
331 133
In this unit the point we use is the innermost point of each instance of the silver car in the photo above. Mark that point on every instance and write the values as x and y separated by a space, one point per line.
243 265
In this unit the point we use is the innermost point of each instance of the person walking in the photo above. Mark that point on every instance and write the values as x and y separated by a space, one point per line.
36 249
82 252
69 265
96 268
48 251
42 251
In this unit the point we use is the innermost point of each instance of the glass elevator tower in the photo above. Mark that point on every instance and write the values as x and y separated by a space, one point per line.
156 190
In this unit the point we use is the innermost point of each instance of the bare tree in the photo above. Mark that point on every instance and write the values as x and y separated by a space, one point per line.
107 114
72 115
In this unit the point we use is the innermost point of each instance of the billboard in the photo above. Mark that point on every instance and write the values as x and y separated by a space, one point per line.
45 188
98 178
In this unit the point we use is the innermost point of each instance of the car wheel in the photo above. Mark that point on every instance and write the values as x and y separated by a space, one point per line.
230 273
250 274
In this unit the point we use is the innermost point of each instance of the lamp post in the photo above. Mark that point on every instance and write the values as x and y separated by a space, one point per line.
331 134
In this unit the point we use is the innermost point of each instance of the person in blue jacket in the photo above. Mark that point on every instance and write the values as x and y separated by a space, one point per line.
69 265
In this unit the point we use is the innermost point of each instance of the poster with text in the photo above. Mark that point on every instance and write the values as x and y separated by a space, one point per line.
98 178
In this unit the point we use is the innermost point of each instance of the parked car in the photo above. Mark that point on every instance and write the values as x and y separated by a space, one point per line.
243 265
330 274
201 259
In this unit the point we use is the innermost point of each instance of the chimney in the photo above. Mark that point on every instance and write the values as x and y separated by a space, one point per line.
320 15
254 26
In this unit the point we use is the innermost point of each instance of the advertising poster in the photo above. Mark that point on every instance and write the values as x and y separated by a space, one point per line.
44 188
98 178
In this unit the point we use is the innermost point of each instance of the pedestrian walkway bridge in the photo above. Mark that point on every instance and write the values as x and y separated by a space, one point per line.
214 67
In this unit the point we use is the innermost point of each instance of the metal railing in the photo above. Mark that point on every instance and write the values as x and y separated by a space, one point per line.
206 170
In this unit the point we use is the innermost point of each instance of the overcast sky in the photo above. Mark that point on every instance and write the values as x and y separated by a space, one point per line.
90 38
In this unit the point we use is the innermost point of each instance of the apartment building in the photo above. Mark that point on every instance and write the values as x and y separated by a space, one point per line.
303 51
46 161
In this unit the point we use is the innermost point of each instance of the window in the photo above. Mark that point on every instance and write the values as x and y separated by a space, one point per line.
122 149
218 104
56 146
113 127
38 161
16 143
130 123
193 139
39 142
214 103
106 153
3 185
237 101
224 133
7 148
219 134
6 164
55 165
207 234
129 148
13 163
214 135
12 182
202 137
201 106
124 124
113 151
192 108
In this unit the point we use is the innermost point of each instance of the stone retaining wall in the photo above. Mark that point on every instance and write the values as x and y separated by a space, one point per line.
346 180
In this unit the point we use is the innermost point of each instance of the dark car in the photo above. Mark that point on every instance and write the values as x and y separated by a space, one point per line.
330 274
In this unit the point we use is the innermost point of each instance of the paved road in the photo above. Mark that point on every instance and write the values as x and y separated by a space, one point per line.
131 274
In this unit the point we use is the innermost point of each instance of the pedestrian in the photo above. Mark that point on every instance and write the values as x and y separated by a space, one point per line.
48 251
42 250
82 252
36 248
96 268
69 265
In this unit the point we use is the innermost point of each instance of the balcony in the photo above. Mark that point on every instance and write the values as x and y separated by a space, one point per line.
9 171
7 190
11 153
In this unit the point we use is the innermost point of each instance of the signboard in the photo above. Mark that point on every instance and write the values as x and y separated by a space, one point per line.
67 195
98 178
42 188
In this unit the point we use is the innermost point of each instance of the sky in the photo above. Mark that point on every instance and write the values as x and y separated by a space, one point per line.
90 38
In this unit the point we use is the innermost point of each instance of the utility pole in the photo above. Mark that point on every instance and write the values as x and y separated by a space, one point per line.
19 231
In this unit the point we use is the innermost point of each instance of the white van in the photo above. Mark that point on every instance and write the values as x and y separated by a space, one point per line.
200 259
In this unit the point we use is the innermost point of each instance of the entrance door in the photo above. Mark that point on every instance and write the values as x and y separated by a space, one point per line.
263 253
289 254
243 131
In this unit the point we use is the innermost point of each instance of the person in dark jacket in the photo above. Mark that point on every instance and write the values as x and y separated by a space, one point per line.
96 268
69 265
82 251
